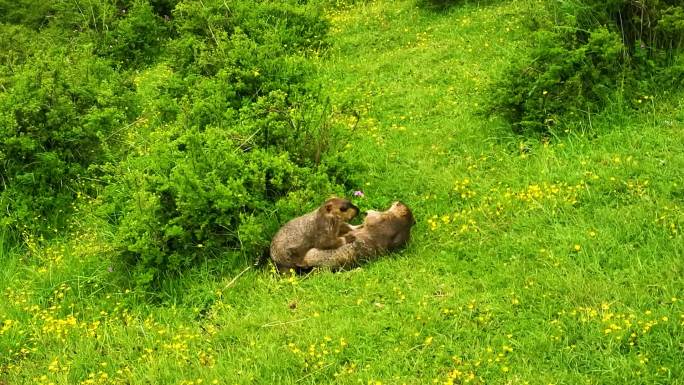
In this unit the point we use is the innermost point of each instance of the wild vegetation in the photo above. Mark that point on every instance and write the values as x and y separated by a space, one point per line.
150 149
588 55
187 121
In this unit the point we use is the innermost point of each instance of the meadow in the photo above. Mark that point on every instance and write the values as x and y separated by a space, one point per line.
536 259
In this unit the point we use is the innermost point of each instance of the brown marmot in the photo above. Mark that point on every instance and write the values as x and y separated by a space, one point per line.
380 232
321 229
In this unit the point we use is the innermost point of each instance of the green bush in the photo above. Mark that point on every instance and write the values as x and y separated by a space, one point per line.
649 24
592 53
232 134
136 38
196 191
55 112
194 194
197 119
28 13
567 80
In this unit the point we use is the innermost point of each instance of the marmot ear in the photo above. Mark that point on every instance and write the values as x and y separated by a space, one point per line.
328 207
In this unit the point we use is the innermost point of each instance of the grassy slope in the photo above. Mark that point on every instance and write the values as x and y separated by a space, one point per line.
555 262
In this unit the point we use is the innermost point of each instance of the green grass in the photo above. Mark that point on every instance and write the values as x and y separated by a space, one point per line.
540 262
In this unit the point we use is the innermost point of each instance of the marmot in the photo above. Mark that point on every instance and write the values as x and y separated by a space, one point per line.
321 229
380 232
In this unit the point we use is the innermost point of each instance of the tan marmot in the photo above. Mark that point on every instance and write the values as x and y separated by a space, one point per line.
322 229
380 232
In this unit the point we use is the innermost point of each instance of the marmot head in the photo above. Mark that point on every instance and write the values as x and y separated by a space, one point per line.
402 212
398 213
339 208
391 227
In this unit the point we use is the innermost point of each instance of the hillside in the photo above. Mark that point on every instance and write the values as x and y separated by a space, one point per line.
536 259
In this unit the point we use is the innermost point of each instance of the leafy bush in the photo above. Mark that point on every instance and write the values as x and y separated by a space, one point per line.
231 131
594 53
197 118
186 193
567 80
135 39
55 111
28 13
59 107
197 193
651 24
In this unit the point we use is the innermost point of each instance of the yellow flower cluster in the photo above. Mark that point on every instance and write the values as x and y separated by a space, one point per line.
561 191
671 218
198 381
466 371
460 222
320 355
623 327
502 200
463 189
102 377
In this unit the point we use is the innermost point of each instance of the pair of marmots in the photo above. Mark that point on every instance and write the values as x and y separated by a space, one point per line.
323 238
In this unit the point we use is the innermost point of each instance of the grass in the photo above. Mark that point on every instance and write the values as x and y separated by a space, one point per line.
534 261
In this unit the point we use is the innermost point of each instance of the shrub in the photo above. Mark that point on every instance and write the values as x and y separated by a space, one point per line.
135 38
197 118
594 53
28 13
196 195
15 48
192 193
651 24
54 113
567 80
232 135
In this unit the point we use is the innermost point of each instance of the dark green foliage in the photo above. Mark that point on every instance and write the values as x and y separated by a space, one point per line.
29 13
55 113
649 24
135 38
15 48
65 16
196 118
567 80
594 53
194 194
209 182
163 8
232 131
